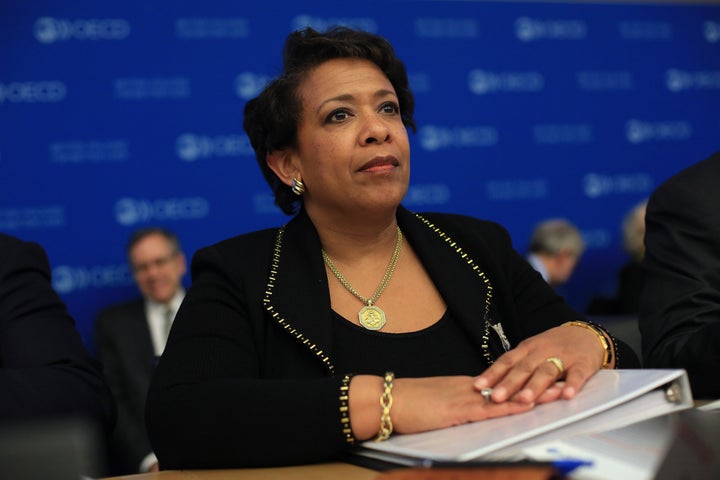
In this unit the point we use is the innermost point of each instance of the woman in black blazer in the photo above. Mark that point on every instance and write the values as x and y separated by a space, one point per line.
358 318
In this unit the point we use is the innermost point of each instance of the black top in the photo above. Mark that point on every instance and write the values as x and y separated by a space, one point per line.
250 375
440 349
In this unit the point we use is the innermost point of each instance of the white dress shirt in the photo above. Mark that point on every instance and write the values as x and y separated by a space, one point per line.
156 316
538 265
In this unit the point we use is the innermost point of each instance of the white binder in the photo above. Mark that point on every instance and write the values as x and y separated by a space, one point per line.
610 399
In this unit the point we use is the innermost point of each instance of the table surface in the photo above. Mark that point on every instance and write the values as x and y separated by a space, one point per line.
325 471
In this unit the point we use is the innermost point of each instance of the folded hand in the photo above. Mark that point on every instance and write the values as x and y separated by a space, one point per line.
524 373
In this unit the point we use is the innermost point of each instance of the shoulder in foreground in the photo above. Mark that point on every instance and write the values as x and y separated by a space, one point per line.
690 186
10 244
7 240
703 171
17 254
121 307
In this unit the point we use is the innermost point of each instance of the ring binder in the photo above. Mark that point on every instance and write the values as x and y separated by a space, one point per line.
673 392
610 399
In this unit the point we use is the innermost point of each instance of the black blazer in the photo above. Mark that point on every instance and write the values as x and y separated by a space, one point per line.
45 370
680 304
247 378
124 345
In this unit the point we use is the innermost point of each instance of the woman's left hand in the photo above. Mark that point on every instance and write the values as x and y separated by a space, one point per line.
526 372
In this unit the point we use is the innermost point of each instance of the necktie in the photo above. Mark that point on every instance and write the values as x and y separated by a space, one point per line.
169 315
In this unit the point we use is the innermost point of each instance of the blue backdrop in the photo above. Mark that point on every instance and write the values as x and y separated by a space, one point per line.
117 115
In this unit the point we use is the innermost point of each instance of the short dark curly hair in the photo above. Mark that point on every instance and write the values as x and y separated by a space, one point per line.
271 119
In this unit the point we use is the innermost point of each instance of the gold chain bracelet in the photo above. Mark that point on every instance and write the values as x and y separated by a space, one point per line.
607 358
386 401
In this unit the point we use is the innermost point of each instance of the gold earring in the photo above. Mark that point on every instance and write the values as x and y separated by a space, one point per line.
298 187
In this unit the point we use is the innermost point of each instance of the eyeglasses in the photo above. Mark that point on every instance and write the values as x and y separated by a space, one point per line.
157 263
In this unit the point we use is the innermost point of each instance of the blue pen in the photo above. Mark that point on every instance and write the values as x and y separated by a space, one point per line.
567 465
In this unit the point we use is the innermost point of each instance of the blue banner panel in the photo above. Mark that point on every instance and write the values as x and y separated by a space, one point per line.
117 115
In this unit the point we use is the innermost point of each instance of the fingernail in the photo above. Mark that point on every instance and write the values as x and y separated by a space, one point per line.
480 383
526 395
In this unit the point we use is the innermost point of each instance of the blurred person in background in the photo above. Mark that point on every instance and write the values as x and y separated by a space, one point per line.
131 336
631 276
556 246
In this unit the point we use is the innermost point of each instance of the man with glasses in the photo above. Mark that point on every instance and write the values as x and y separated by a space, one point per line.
129 337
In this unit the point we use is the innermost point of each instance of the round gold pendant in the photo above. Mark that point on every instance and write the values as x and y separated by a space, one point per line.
372 317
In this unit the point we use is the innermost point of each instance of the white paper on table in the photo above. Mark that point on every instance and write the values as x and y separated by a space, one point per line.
641 394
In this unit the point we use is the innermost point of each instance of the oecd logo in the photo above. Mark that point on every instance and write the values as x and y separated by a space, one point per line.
677 80
132 211
680 80
191 147
596 185
433 138
637 131
69 279
249 85
51 30
712 31
530 29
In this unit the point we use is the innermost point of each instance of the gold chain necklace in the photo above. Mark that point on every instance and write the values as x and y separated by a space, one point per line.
370 316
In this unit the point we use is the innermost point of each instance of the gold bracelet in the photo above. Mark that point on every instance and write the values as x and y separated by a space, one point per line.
345 409
607 358
386 401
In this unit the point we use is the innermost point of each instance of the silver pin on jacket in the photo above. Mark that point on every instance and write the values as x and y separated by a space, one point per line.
503 338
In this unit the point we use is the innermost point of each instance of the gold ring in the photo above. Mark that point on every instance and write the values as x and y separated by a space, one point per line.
558 363
486 392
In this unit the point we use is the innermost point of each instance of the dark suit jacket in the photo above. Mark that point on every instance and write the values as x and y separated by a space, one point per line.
627 299
124 346
630 284
680 305
45 370
248 379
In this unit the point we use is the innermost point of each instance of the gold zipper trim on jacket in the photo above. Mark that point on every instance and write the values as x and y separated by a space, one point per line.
325 359
280 319
476 268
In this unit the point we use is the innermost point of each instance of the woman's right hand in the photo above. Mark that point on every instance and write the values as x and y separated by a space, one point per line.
430 403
